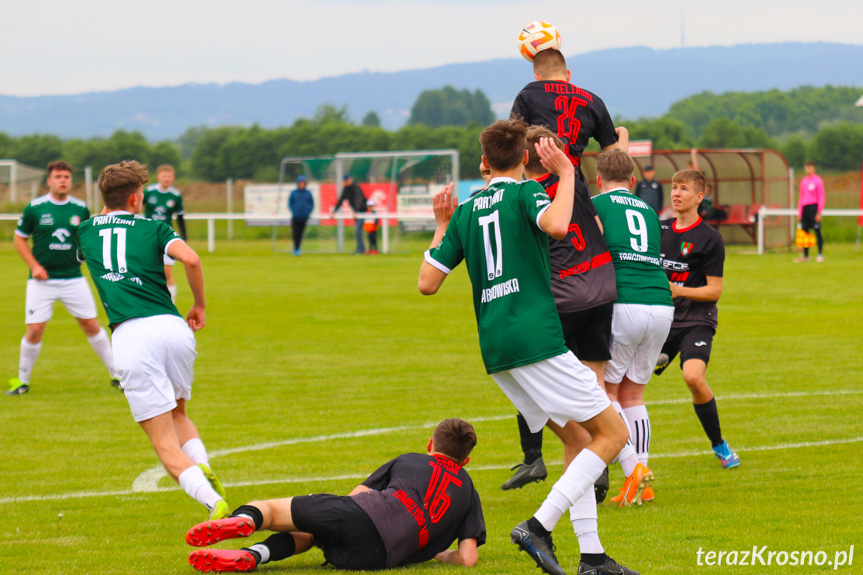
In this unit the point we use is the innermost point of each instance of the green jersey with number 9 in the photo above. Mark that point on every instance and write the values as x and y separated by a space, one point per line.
497 233
632 234
124 255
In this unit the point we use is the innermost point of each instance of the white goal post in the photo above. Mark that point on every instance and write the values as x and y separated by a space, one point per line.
764 212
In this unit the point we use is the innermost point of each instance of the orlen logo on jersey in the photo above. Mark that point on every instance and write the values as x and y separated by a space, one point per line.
62 235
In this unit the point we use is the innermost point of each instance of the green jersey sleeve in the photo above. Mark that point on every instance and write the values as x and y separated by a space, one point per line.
26 222
533 200
450 251
179 211
166 235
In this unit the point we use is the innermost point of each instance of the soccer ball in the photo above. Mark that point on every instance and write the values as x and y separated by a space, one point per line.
536 37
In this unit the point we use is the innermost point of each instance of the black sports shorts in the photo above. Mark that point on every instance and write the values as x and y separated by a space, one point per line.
342 530
692 342
807 219
587 333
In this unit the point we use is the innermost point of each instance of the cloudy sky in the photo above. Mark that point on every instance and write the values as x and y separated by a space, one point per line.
57 47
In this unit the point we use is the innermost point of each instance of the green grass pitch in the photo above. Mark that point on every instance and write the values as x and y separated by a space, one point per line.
301 356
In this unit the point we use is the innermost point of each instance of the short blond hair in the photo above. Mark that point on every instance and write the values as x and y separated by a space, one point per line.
692 177
614 165
534 133
165 168
119 181
549 63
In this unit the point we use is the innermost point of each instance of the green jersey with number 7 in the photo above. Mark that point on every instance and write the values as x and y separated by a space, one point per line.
124 255
497 233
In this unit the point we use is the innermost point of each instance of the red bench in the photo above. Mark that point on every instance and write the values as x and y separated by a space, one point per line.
739 215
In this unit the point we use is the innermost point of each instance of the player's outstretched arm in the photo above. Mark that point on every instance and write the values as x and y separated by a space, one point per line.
178 250
359 489
711 292
444 205
622 139
555 220
465 554
23 249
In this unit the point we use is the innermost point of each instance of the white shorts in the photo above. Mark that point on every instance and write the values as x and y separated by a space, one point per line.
168 260
41 295
637 335
155 357
559 388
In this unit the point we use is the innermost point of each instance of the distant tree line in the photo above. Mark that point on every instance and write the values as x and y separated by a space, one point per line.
820 124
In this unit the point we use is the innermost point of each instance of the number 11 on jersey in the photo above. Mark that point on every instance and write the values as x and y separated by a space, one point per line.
107 260
494 265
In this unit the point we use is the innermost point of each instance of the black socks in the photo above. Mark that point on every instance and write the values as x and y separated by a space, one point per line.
709 418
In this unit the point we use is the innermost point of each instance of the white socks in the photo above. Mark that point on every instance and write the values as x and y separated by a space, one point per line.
197 487
627 457
262 550
29 354
583 517
578 478
172 289
196 451
639 430
102 346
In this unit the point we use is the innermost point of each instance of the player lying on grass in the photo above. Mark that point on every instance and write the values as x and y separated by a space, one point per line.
502 234
410 510
693 256
643 310
154 349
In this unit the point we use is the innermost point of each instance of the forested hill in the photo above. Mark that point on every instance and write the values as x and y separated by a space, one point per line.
634 82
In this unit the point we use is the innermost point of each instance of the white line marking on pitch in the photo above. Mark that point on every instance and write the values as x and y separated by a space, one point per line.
472 469
147 482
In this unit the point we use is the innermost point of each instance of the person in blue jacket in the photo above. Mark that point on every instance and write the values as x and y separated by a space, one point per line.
301 203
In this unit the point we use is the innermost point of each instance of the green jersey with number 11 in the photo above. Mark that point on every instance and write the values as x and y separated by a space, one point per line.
632 233
497 233
124 255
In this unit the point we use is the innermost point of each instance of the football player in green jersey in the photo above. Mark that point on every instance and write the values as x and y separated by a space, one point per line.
643 311
501 233
162 201
154 349
52 221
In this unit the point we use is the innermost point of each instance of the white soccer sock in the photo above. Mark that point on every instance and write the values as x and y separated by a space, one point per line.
583 516
197 487
262 550
580 476
628 456
196 451
102 346
172 289
29 354
639 430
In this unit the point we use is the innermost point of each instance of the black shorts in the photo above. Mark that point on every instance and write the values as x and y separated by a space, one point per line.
587 333
692 342
342 530
807 218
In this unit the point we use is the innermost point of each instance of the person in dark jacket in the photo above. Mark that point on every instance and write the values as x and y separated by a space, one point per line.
301 203
650 190
352 192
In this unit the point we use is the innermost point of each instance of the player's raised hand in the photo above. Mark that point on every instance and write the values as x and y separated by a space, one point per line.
444 204
552 158
197 318
622 138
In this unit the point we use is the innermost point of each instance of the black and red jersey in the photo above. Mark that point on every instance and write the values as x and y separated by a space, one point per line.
574 114
582 273
689 255
420 505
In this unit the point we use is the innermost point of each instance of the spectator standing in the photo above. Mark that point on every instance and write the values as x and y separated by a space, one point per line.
370 226
650 190
352 192
301 203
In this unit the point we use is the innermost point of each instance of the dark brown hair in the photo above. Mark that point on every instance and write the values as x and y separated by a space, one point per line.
59 166
503 144
549 63
454 438
534 133
692 177
614 165
118 181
